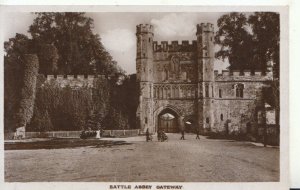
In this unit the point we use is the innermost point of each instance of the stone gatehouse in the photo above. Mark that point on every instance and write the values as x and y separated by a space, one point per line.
179 88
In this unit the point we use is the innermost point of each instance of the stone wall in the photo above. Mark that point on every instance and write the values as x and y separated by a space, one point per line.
175 67
74 81
180 76
235 114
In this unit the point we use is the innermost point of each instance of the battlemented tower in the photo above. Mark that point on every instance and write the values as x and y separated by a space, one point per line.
180 91
205 58
144 67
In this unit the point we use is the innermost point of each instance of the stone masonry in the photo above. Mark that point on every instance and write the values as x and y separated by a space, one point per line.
179 78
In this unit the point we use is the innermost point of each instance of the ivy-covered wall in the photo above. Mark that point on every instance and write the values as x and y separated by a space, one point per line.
77 103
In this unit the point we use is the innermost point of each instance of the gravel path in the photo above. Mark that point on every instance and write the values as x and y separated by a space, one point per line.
177 160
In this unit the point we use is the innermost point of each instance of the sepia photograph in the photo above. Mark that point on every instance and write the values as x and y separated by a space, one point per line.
136 96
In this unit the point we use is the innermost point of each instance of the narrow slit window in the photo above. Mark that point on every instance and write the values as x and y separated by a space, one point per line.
240 91
206 91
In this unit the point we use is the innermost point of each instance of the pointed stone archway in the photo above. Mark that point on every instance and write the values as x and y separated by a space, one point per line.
173 125
168 121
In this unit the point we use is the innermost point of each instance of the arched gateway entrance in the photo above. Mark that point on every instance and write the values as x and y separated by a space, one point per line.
168 118
168 121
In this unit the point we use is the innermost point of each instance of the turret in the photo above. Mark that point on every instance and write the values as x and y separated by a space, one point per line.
144 67
144 56
205 51
205 58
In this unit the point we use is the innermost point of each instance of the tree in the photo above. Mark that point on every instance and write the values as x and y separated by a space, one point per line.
79 50
15 49
266 36
235 41
249 42
48 57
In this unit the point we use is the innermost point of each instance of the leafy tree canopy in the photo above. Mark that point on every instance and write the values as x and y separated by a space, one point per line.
66 44
249 42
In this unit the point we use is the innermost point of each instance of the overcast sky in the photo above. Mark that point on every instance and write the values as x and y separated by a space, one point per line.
117 30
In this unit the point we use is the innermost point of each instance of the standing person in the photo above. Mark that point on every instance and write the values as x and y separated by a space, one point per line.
197 132
163 136
147 135
98 134
182 135
158 135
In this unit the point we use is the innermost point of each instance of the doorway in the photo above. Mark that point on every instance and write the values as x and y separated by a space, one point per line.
168 121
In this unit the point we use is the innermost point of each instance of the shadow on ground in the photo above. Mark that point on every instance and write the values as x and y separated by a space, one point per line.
62 143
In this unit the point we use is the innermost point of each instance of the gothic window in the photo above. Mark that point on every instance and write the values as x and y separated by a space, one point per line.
146 120
165 92
169 93
220 93
166 74
175 92
207 120
158 92
221 117
189 93
164 47
206 91
239 90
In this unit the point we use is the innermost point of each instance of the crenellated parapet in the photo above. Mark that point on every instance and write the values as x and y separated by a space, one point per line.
175 46
247 75
144 28
75 81
204 27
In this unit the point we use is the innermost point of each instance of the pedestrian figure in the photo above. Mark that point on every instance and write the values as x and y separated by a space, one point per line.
182 135
147 135
158 135
98 134
163 136
197 132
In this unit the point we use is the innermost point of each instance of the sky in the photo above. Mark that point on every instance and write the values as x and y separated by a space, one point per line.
117 30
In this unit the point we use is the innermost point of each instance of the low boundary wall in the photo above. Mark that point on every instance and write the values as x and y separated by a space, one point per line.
74 134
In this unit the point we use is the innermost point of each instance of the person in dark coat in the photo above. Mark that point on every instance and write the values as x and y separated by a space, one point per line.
198 133
147 135
163 136
158 135
182 135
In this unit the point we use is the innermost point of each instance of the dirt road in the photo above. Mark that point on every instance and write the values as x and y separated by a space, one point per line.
177 160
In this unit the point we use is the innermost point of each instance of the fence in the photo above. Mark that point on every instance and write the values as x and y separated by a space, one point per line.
74 134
